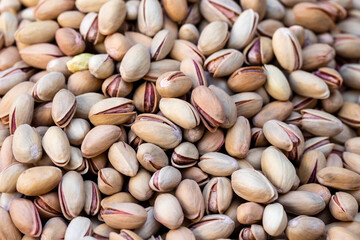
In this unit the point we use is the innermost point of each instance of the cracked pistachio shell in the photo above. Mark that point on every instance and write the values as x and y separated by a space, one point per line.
26 144
110 181
161 44
167 211
338 178
48 85
139 185
39 55
63 107
37 181
320 123
115 86
123 158
274 219
112 110
302 203
194 70
101 65
78 228
224 62
56 146
185 155
214 226
158 130
304 227
243 29
213 37
8 230
180 112
25 217
281 135
9 176
89 28
311 162
111 16
247 79
218 164
99 139
217 194
255 230
151 157
9 98
77 162
238 138
253 186
124 215
343 206
21 111
277 84
165 179
135 64
287 49
37 32
228 105
150 17
278 169
71 192
210 108
247 103
191 199
173 84
259 51
48 205
350 114
220 10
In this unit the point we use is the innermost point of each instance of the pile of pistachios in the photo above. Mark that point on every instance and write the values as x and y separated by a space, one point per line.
179 119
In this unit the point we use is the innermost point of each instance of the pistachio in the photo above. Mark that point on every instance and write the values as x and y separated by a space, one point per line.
276 84
180 233
78 228
54 228
50 9
165 179
313 227
9 176
92 146
217 195
249 213
139 185
37 181
343 206
349 114
71 194
238 138
21 112
135 64
26 144
111 16
218 164
302 202
339 178
39 55
150 18
243 29
277 110
25 217
193 69
123 158
37 32
312 162
214 10
48 205
224 62
213 226
111 111
151 157
183 49
247 103
63 107
274 219
79 62
8 229
110 181
168 135
247 79
173 84
253 186
209 44
115 86
191 200
259 51
161 44
163 204
47 86
89 28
